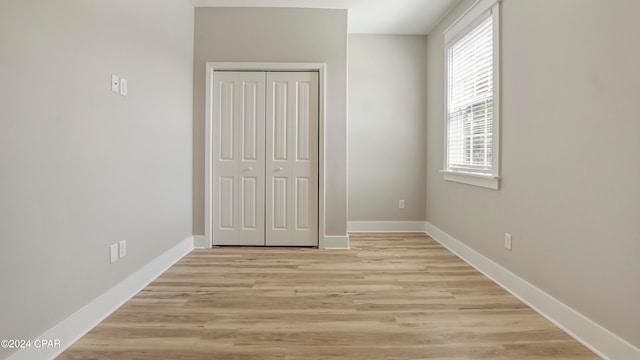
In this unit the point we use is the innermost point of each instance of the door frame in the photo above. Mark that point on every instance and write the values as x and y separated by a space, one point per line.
211 67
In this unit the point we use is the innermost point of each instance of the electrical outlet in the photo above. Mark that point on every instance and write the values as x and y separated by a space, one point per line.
507 241
401 204
122 248
113 253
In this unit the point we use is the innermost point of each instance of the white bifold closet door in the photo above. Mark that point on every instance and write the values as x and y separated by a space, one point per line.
238 158
265 158
292 159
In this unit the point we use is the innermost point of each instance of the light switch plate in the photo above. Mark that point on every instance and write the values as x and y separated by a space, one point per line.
124 87
113 253
507 241
115 83
122 247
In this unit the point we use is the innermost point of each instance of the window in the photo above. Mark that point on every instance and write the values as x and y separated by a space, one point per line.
472 108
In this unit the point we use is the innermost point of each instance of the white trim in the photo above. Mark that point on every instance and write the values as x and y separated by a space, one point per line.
208 151
592 335
386 226
487 181
334 243
265 66
480 10
467 18
200 242
78 324
497 92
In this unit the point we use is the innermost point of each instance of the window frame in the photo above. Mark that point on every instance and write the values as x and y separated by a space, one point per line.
467 22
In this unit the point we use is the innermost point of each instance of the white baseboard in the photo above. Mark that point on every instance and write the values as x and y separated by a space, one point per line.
386 226
77 325
595 337
200 242
334 243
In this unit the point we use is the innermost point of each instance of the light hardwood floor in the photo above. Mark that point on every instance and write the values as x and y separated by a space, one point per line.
392 296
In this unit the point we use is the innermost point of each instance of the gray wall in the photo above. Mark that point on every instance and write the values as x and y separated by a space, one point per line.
570 125
82 167
387 127
277 35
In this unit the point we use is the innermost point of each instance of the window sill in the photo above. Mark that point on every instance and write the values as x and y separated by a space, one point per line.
481 180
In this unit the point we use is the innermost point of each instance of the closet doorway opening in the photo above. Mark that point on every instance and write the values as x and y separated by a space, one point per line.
264 158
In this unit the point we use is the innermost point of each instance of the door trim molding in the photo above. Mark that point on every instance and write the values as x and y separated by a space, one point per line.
321 68
334 242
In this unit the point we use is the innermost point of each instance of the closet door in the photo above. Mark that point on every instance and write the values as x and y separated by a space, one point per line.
238 158
292 159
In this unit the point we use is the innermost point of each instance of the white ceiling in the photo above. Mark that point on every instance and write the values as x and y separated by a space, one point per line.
365 16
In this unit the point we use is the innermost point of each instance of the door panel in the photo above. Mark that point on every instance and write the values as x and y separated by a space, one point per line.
279 211
292 159
239 163
302 203
249 200
252 118
226 203
303 119
280 121
227 100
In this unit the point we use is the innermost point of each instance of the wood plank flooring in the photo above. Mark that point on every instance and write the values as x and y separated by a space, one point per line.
392 296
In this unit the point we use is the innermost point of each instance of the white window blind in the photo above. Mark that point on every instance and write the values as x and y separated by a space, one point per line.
470 142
